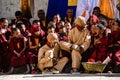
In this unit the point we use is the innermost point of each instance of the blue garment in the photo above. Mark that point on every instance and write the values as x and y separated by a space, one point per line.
58 6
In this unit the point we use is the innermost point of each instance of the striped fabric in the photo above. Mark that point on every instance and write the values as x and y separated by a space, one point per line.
108 7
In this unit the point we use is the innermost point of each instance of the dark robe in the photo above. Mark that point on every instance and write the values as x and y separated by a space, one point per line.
67 20
4 55
114 50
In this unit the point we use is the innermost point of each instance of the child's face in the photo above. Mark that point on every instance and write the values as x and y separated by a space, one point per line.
63 30
68 27
52 30
23 28
95 30
16 33
37 33
118 42
5 23
56 18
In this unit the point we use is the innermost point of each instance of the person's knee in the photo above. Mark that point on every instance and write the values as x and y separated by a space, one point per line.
61 43
65 59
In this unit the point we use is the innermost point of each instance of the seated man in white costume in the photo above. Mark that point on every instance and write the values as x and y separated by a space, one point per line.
46 60
78 41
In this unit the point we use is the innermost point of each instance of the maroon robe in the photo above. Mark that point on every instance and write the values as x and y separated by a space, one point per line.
114 37
115 48
25 34
99 53
32 52
116 58
34 43
17 44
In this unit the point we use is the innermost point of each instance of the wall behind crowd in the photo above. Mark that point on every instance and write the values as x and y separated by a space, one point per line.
8 7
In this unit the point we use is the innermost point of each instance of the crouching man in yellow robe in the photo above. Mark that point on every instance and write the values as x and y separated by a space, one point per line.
78 41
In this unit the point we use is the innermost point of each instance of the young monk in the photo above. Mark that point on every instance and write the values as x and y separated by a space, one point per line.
17 49
46 61
23 30
5 56
99 43
114 46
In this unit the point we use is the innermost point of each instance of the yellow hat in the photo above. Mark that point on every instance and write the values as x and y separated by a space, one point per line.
80 20
51 37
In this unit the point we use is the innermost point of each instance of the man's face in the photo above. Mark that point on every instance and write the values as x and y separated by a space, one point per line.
53 43
80 28
41 15
19 17
69 12
96 12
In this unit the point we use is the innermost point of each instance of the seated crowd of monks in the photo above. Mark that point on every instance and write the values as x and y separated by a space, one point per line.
59 45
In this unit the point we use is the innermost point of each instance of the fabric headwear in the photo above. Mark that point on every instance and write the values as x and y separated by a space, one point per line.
51 37
34 28
100 26
80 20
95 19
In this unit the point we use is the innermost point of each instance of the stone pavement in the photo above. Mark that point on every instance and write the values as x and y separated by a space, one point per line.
100 76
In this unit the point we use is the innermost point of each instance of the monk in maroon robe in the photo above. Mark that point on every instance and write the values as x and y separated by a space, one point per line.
4 55
99 44
114 46
17 49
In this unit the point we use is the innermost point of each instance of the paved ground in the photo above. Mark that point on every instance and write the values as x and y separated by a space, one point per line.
61 77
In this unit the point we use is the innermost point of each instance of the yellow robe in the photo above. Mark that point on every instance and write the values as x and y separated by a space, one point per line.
106 7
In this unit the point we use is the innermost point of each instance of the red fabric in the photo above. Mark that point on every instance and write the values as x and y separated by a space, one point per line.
36 27
32 58
4 55
91 60
114 37
2 38
26 33
3 44
18 61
